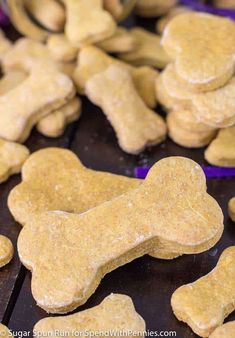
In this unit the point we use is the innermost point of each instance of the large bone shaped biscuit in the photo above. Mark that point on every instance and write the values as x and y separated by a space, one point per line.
116 312
225 331
21 108
12 158
93 60
190 36
69 254
204 304
87 21
135 124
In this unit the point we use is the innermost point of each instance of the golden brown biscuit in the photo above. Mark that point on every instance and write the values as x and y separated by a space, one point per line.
189 36
231 209
115 314
61 48
174 11
148 52
224 3
5 44
4 332
221 151
93 60
225 331
204 304
136 126
87 22
54 124
12 158
49 13
171 205
151 8
6 252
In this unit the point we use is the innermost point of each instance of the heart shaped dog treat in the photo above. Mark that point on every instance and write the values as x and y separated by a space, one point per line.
71 187
12 158
221 151
149 50
204 304
4 332
87 21
6 251
136 125
190 36
231 209
115 314
225 331
93 60
19 111
76 251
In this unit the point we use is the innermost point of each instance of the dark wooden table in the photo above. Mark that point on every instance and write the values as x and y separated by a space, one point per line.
150 282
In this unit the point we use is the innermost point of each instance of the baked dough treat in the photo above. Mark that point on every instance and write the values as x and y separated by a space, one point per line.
61 48
115 314
5 45
231 209
221 152
225 331
173 12
4 332
224 3
69 269
148 51
189 36
204 304
136 126
12 158
152 8
6 254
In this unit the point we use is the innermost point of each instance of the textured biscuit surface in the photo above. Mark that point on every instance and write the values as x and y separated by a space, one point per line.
151 8
136 126
193 39
12 158
120 42
221 151
231 209
204 304
4 332
116 312
225 331
61 48
76 251
6 251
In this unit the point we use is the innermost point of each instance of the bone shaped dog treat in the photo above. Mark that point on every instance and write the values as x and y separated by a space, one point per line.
114 7
49 13
136 125
149 50
20 110
76 251
189 36
5 45
115 313
204 304
87 21
92 60
221 152
61 48
12 158
6 251
152 8
4 332
231 209
225 331
54 124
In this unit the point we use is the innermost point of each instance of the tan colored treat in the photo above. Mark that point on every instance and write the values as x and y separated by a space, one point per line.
189 36
12 158
186 138
231 209
204 304
173 12
114 7
136 126
164 98
171 205
122 41
92 61
115 313
4 332
87 22
6 252
11 80
151 8
20 111
54 124
148 52
49 13
225 331
5 44
221 152
224 3
71 187
61 48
